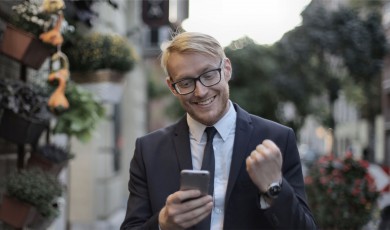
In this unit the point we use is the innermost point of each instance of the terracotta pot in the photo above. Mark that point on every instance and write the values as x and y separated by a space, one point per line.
23 47
16 213
20 130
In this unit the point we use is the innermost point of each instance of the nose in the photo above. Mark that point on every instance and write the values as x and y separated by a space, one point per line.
200 89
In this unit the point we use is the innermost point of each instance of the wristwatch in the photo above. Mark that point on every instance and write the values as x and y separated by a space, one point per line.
274 189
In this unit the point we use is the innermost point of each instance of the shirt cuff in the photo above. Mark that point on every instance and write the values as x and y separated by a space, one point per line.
263 203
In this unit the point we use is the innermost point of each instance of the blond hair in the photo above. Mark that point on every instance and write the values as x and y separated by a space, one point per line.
191 42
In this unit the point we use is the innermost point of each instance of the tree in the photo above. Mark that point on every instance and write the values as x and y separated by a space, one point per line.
329 52
355 42
262 84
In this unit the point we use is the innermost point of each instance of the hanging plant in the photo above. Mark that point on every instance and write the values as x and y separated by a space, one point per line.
23 112
83 115
35 188
100 51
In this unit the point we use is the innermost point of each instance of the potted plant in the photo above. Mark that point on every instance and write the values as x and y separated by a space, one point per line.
24 113
341 192
20 40
50 158
34 189
27 23
99 62
99 51
83 115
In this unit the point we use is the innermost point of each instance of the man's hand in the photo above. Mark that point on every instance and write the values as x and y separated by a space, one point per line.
177 214
264 165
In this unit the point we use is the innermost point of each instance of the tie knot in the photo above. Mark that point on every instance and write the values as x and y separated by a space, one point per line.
210 131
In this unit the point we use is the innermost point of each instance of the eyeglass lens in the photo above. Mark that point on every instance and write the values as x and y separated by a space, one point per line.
207 79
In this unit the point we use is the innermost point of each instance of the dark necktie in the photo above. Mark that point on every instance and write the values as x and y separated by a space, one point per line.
208 164
208 157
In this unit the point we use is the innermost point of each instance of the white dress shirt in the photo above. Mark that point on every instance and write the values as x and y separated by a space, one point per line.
223 150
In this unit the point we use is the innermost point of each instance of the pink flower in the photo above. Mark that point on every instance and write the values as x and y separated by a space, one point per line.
324 180
355 191
346 168
308 180
364 163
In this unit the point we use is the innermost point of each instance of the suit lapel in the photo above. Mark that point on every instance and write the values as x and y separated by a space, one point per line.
182 144
244 131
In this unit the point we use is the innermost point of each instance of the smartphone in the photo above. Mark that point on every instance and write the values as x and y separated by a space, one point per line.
195 179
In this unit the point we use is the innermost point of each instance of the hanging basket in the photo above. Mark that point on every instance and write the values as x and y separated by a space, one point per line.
23 47
20 130
16 213
39 161
108 85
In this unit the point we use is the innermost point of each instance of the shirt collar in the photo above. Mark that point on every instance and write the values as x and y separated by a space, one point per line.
223 126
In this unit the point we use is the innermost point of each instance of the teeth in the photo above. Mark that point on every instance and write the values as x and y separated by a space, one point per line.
206 101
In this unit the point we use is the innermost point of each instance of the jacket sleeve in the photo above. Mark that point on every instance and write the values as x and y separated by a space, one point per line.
139 214
290 210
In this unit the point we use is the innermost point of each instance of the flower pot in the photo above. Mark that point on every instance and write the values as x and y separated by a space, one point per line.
16 213
107 84
20 130
39 161
23 47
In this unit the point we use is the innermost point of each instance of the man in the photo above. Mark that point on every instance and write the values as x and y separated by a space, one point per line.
258 182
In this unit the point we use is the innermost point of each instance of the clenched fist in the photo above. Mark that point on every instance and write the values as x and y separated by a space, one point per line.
264 165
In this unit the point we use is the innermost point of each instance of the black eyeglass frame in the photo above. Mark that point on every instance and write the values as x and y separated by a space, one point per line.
198 79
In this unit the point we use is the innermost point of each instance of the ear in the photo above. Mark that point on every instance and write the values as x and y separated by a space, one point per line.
169 83
227 69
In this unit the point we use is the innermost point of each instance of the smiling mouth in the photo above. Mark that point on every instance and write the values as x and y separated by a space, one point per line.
205 102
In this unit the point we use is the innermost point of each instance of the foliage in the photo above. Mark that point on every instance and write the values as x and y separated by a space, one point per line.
28 17
36 188
83 115
259 85
100 51
347 44
156 85
343 40
341 193
252 67
23 99
54 153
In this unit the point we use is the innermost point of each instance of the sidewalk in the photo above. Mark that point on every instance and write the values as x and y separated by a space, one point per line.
112 223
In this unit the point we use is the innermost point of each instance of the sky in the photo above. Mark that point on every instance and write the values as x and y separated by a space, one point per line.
264 21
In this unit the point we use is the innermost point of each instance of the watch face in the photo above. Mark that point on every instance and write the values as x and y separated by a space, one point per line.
274 190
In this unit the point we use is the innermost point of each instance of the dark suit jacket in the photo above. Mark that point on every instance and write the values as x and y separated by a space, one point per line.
160 156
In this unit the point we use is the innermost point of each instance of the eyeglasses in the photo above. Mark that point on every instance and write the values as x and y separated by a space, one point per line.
208 79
